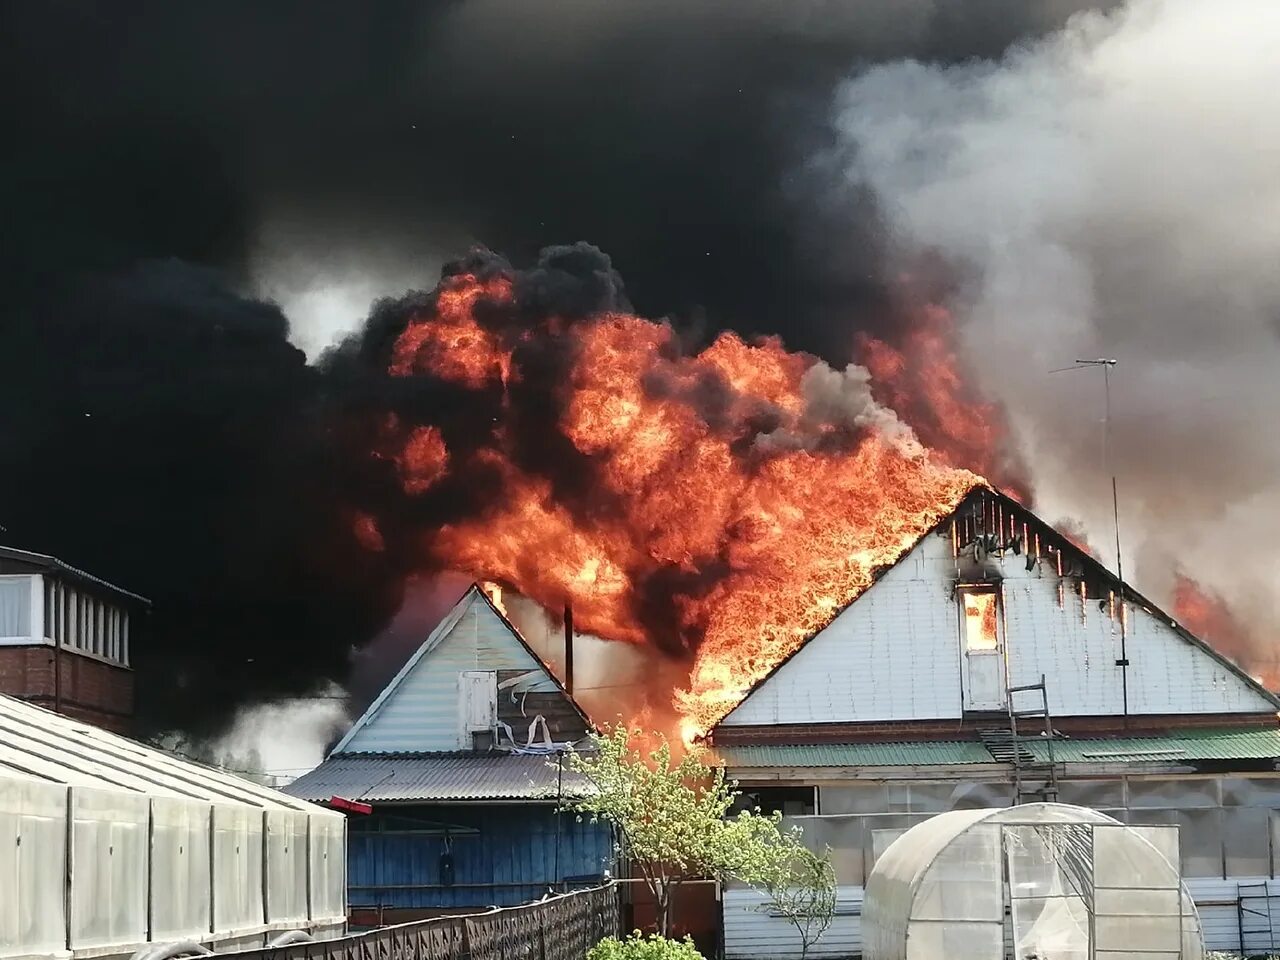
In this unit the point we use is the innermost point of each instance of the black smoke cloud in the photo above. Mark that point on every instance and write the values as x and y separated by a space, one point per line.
167 160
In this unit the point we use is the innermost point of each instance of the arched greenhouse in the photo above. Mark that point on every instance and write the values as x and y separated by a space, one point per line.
1041 881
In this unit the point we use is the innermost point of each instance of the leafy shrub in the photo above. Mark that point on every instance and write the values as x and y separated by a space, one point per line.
638 947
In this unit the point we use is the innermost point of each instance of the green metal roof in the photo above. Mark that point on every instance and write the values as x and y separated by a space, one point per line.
1190 745
911 753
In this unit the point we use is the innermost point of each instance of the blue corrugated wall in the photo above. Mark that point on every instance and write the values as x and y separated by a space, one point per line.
502 854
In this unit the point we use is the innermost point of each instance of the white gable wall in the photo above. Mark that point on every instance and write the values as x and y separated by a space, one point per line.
420 711
895 654
1076 647
892 655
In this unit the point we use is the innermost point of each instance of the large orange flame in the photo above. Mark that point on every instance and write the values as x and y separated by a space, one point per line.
741 495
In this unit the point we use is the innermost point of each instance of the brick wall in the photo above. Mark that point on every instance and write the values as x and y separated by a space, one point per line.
91 690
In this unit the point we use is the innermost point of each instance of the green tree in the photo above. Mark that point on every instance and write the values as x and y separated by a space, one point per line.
802 890
673 818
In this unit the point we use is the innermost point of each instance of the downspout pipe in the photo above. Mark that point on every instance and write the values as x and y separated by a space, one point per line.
568 649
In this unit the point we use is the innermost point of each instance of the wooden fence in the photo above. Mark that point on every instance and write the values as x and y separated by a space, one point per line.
564 927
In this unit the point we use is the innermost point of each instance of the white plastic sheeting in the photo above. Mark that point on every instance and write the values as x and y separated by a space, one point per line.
180 864
328 860
237 868
287 865
1079 884
108 868
33 842
106 845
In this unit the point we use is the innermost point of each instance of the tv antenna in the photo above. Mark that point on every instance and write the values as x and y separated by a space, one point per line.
1105 364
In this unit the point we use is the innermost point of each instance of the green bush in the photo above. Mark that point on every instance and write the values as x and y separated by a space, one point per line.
638 947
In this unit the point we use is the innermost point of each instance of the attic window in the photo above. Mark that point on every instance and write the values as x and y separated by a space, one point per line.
979 619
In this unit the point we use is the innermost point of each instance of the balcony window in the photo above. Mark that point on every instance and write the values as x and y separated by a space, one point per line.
15 607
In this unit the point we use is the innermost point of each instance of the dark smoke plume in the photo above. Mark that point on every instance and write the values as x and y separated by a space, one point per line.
160 426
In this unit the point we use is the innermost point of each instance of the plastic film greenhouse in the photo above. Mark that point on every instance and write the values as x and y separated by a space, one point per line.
1043 881
108 846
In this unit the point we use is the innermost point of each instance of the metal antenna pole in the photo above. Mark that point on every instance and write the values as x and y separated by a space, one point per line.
1106 364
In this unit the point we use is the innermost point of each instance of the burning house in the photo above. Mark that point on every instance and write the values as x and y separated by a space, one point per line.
458 768
993 663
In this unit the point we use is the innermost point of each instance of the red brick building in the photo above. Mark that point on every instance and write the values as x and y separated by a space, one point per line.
65 637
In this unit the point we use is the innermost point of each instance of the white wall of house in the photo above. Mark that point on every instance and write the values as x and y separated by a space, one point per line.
419 710
898 653
892 655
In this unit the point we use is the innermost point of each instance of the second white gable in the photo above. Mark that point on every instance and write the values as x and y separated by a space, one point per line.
895 654
419 709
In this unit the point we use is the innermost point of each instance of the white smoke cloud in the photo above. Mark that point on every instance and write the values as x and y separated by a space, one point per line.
272 742
842 399
1112 190
325 279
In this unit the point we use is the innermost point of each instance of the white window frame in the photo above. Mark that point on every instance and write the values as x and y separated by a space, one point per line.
35 601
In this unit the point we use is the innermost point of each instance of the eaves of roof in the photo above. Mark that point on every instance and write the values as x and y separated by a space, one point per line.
46 562
431 777
1190 746
903 754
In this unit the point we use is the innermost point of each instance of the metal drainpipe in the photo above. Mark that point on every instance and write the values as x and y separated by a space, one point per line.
559 811
568 649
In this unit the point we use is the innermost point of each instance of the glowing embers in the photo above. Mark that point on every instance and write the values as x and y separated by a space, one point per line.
980 620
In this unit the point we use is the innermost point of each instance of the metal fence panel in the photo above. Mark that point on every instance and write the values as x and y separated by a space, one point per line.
558 928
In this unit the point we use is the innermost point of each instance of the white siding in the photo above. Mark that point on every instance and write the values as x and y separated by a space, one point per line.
420 710
894 654
751 934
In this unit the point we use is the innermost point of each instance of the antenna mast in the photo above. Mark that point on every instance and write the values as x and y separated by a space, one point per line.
1106 364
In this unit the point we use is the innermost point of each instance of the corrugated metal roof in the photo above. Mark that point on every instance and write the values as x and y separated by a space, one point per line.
46 562
38 744
426 777
1194 745
903 754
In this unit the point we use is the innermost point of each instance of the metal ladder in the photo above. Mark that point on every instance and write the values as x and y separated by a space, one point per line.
1257 933
1010 746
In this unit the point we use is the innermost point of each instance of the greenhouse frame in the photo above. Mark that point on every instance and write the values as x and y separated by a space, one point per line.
1041 880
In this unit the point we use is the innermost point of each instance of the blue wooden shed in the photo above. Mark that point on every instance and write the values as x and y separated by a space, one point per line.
461 759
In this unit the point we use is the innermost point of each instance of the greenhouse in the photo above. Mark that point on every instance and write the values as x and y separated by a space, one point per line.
1041 881
108 846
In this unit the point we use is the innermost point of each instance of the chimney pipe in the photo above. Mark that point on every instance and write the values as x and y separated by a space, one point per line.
568 648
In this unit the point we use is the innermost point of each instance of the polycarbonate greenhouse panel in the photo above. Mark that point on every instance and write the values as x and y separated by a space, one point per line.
286 866
33 837
180 869
237 868
328 868
107 844
108 868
